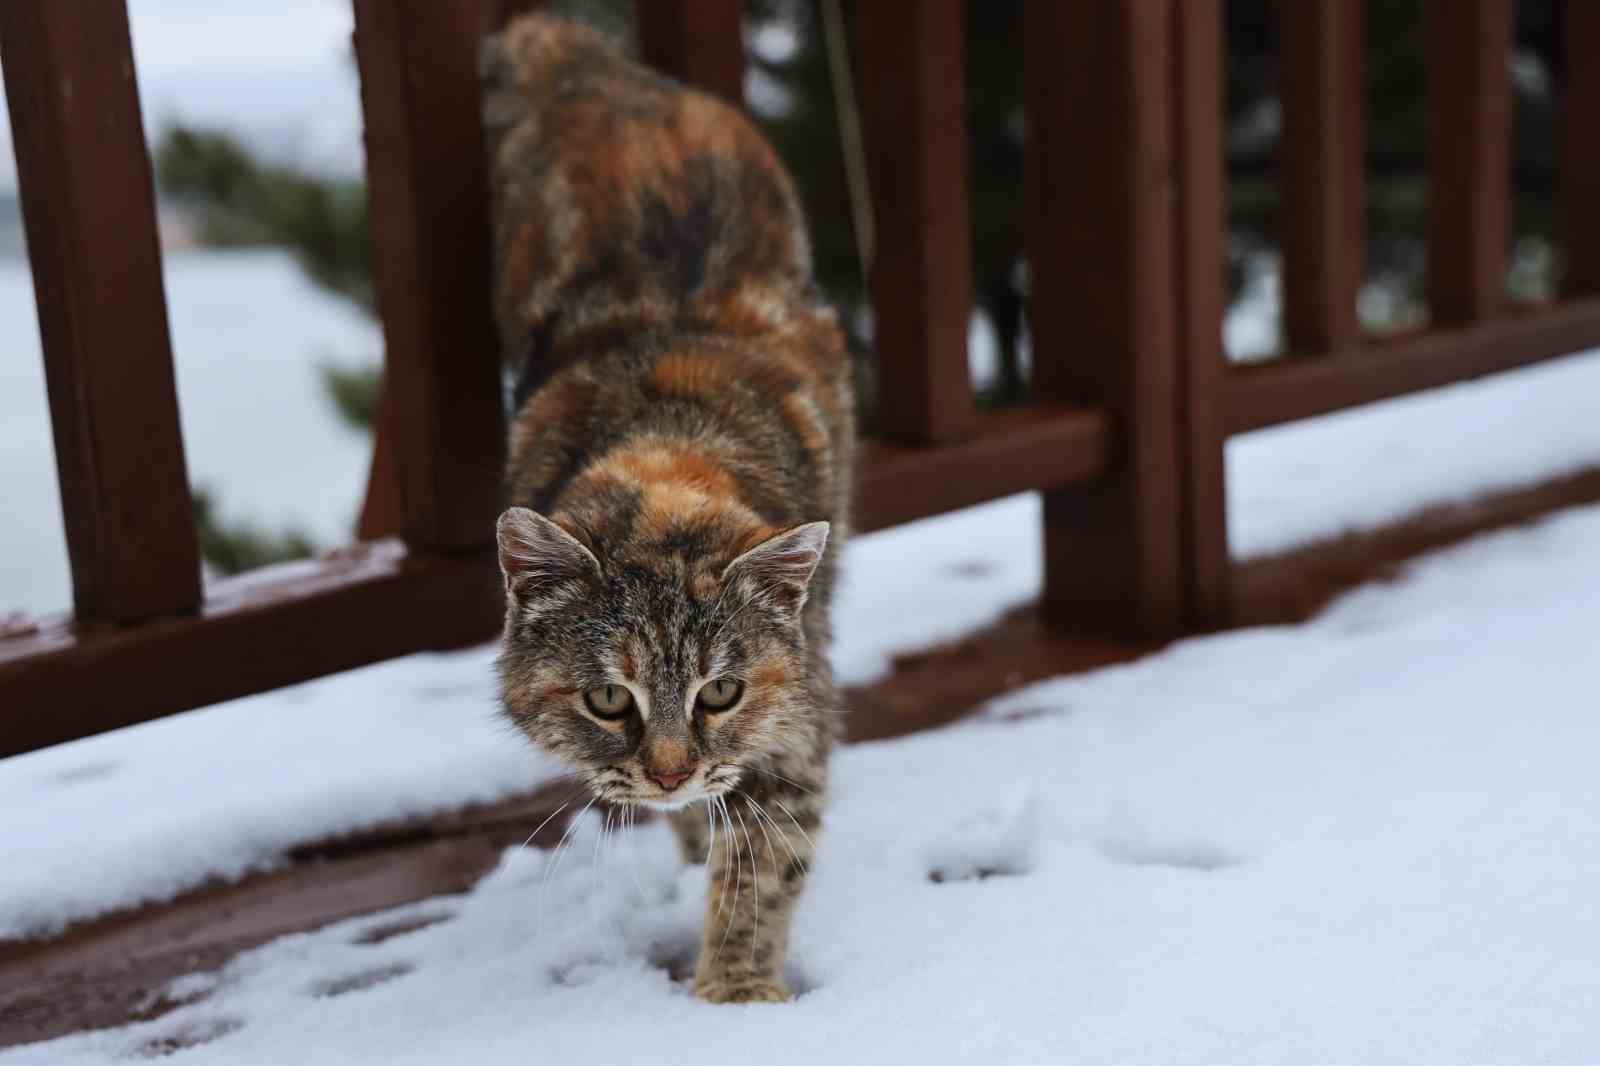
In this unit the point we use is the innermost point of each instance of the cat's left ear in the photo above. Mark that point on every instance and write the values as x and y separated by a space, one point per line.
535 553
778 570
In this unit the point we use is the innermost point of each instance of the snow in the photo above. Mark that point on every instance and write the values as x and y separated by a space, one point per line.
221 792
1365 839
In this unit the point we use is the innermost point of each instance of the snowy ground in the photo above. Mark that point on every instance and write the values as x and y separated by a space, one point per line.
1366 839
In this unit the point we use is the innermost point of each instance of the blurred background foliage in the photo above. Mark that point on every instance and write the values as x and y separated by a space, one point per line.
237 198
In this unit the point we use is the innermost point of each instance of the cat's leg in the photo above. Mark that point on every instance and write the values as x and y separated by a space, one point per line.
765 839
693 831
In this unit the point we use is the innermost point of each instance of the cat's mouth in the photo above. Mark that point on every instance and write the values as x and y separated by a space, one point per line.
706 783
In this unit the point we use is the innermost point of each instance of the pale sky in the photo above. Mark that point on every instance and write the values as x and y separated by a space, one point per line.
278 73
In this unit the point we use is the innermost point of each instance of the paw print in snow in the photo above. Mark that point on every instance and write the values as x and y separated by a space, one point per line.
995 842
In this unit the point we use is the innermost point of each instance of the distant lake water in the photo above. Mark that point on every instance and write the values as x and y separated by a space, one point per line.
249 335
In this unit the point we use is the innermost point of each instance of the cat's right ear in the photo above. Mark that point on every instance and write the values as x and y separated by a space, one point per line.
536 553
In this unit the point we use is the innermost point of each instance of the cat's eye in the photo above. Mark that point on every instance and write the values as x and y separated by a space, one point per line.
610 702
719 695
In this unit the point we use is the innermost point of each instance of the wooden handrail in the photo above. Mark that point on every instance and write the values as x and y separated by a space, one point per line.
255 632
1289 389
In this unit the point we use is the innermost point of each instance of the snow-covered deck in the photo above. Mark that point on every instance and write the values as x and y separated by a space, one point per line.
1364 839
1367 836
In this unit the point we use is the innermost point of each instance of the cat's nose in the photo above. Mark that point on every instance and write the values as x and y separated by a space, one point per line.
670 779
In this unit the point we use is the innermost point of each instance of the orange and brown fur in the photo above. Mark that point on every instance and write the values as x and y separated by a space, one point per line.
679 470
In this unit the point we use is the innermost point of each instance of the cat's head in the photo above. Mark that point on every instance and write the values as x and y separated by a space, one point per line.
657 672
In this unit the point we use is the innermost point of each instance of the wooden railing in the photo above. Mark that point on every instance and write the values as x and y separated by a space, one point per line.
1124 233
1331 365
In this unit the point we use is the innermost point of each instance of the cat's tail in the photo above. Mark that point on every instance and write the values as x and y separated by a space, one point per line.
620 196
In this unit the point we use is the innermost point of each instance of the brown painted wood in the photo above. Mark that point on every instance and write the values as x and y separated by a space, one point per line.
1469 145
259 631
428 185
89 207
913 98
1322 170
1018 450
1580 164
699 42
1198 87
1289 389
1101 232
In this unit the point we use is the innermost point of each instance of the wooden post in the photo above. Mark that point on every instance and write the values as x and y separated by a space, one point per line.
699 42
913 95
443 411
1580 163
1323 172
1198 127
1469 147
89 207
1101 197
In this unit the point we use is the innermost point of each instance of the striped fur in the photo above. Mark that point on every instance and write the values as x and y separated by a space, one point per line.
678 469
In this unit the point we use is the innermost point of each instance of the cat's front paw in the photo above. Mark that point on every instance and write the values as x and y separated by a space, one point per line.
747 990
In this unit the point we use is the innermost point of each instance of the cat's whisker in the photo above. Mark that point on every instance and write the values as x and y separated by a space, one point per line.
559 854
780 777
738 883
633 848
755 887
546 822
761 812
785 808
594 861
727 844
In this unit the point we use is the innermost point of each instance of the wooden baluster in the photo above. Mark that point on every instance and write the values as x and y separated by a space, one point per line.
1469 146
1323 172
914 101
1098 76
89 207
699 42
426 177
1202 268
1580 164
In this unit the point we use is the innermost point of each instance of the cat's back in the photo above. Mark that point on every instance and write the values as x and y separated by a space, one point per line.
683 390
619 193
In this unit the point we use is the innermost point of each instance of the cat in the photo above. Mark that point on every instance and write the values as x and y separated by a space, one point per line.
678 470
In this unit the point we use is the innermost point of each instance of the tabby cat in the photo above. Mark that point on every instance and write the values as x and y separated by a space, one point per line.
678 469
